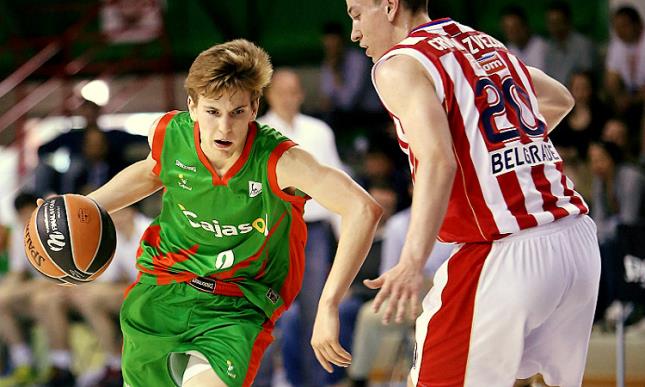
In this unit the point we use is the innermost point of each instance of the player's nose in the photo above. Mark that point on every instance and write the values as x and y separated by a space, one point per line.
355 35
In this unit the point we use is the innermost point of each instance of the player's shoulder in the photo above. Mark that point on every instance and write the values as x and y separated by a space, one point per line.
397 69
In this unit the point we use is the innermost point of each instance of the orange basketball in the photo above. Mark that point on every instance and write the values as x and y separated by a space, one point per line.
70 239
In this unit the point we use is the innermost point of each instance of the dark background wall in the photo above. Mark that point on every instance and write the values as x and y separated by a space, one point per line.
288 29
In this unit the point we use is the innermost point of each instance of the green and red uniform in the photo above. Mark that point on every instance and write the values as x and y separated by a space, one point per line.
238 230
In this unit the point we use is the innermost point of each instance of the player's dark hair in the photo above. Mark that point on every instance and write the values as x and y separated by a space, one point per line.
631 13
416 5
24 199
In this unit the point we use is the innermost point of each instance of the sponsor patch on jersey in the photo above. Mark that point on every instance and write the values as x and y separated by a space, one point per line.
273 296
255 189
185 167
518 155
183 182
491 63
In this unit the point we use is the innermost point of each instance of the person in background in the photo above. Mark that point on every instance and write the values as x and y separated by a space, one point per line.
99 302
625 62
370 330
520 40
348 99
383 192
618 197
285 97
567 50
23 293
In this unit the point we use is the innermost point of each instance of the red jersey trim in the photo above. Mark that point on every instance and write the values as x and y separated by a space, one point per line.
158 139
297 241
239 163
276 153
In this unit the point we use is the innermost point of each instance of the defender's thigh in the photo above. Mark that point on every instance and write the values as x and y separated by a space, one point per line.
472 328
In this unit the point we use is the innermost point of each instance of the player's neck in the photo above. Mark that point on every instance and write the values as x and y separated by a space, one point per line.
223 160
411 22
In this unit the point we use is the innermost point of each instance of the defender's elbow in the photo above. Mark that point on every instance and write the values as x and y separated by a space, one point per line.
371 210
568 102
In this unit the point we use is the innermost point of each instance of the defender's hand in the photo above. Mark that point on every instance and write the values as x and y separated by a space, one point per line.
401 284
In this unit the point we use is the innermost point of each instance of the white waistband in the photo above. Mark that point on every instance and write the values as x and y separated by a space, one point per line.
545 229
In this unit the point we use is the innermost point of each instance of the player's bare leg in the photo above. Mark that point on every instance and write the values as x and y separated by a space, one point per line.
205 378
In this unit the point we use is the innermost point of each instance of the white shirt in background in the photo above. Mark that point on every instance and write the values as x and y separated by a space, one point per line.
628 61
123 266
396 230
533 54
317 138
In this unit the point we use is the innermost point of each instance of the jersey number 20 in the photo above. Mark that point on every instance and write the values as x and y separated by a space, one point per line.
517 99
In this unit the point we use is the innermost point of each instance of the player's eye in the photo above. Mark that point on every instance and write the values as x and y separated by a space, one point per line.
212 112
238 112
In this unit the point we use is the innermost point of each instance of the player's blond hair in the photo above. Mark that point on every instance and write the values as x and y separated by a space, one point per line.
232 66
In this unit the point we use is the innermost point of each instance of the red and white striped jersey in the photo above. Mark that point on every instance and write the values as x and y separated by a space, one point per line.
509 175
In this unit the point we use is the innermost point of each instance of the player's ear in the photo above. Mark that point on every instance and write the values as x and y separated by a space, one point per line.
255 106
192 108
391 6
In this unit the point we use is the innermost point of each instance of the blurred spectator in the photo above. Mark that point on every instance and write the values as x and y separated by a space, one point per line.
618 198
617 132
348 98
358 293
567 50
285 97
625 63
99 302
370 330
379 164
17 293
93 168
81 144
584 123
520 40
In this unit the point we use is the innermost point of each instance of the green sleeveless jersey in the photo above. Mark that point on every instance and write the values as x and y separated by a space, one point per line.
239 227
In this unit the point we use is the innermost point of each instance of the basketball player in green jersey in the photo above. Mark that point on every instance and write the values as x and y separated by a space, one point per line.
225 257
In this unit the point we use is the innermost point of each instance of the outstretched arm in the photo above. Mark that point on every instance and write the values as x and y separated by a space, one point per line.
132 184
360 214
554 100
408 92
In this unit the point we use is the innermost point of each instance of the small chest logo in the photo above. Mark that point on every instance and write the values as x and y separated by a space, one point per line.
255 189
230 369
183 182
273 296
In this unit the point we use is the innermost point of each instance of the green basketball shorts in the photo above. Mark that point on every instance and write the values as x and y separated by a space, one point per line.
161 324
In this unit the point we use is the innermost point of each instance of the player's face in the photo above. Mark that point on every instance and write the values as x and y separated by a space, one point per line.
370 26
224 121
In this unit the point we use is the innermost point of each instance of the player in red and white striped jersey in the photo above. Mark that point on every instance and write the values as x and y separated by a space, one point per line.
518 294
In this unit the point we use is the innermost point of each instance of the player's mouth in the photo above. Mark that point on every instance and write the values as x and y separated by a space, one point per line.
223 144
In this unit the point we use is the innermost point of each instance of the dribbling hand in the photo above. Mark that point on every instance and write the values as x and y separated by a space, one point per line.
401 285
324 340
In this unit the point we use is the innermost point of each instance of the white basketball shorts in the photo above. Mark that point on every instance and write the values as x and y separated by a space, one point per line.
509 309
